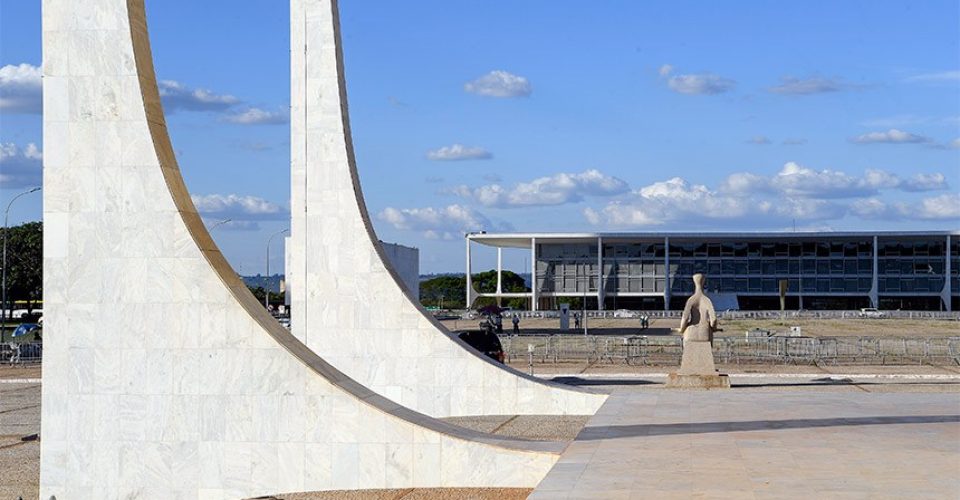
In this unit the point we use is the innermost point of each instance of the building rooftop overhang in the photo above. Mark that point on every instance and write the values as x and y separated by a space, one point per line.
523 240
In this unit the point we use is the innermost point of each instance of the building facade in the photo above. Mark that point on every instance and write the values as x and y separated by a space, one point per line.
406 262
823 270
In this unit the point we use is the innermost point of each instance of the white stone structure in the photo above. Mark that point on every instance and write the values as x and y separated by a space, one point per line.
346 301
195 392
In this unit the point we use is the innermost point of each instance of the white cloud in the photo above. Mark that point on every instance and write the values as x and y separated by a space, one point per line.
892 136
940 77
556 189
806 86
924 182
746 182
696 84
457 152
20 167
797 181
20 89
444 222
238 207
499 83
954 144
942 207
797 193
177 96
945 206
257 116
676 201
759 140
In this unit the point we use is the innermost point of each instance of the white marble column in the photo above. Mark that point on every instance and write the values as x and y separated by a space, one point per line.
353 309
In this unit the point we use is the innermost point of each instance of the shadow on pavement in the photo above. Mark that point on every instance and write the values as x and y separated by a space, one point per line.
615 431
608 381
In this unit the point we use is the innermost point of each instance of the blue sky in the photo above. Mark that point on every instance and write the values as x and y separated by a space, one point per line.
546 116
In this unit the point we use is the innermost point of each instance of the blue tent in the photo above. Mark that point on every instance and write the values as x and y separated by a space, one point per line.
25 329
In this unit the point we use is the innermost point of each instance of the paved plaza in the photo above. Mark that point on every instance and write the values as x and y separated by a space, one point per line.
745 443
769 437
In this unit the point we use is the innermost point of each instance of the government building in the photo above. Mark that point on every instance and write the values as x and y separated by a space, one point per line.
916 270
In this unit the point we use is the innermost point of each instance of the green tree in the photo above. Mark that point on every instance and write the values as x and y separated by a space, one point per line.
453 289
25 263
275 298
450 290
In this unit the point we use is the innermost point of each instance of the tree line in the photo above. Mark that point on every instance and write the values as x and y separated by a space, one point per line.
451 290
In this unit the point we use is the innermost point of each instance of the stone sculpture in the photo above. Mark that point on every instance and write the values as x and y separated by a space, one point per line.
698 323
347 302
197 392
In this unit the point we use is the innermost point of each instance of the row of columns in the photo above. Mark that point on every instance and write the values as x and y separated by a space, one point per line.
874 293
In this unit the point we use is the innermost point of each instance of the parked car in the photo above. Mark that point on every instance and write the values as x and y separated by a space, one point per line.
871 312
486 342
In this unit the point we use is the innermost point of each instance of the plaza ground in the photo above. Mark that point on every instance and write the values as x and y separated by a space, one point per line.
855 327
780 432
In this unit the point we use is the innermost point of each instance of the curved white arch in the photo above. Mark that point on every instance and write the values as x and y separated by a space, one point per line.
347 302
196 392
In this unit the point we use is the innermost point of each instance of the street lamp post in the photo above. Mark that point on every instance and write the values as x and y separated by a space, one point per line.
3 302
219 223
266 294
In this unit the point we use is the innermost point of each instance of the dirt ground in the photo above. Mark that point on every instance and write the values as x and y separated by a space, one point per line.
413 494
809 327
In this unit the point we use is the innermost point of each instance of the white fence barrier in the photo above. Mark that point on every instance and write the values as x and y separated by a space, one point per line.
642 350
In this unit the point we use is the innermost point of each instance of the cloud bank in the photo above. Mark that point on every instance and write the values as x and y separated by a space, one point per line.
238 207
556 189
20 89
458 152
695 84
20 167
449 222
499 83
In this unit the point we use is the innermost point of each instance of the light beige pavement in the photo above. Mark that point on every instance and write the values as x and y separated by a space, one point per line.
745 443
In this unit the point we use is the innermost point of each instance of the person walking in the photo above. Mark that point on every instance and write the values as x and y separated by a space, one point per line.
516 324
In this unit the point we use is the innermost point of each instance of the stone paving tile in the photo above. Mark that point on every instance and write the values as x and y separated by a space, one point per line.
764 445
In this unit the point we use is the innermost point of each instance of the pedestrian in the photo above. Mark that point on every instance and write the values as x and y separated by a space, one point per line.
15 353
499 323
576 320
516 324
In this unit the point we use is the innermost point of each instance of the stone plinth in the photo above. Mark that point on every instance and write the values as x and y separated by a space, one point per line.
697 370
715 381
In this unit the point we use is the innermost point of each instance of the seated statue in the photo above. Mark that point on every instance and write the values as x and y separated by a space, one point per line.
699 319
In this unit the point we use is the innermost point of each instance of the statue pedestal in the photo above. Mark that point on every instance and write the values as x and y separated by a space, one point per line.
697 370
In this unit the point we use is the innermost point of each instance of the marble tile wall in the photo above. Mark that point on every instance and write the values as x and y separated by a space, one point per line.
347 304
163 377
